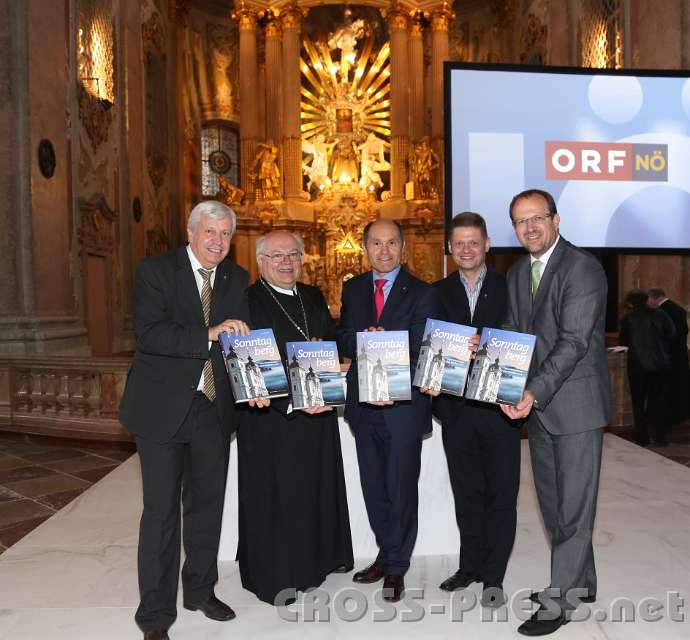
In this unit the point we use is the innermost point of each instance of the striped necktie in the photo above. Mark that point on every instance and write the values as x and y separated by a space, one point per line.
537 267
206 291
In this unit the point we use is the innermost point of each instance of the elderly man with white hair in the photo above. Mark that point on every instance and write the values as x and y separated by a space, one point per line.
178 404
294 526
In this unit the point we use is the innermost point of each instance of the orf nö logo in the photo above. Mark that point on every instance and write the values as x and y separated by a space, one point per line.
567 160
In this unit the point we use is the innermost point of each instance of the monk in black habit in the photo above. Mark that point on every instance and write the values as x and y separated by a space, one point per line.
294 526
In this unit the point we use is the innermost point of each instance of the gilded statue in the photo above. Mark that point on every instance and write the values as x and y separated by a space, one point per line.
344 160
317 171
423 161
372 161
228 192
265 169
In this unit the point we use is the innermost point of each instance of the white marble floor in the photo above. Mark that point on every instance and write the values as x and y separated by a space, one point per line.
74 576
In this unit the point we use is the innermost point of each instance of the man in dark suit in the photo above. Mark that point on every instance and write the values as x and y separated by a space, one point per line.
558 293
388 435
482 446
178 403
680 373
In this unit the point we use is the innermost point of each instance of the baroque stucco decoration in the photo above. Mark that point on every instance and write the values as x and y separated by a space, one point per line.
533 41
153 37
224 67
97 228
95 119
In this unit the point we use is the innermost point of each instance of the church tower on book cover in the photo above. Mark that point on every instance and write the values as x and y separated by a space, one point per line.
383 365
485 378
246 375
501 366
305 385
430 365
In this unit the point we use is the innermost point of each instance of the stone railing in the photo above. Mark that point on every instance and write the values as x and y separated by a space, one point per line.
62 396
78 397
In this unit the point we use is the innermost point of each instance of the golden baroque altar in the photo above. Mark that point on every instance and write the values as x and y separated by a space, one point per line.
341 123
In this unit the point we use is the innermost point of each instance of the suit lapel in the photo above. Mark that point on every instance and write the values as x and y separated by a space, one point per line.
220 287
395 297
459 297
524 295
366 295
186 285
482 301
548 275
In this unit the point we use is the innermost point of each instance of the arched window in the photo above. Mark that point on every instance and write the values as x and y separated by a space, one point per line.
602 33
220 155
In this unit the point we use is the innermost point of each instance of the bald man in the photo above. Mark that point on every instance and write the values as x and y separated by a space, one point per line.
388 435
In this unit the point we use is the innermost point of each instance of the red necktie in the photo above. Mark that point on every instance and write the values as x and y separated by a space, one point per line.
378 297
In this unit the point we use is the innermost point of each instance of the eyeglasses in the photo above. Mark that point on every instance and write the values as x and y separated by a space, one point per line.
293 256
538 219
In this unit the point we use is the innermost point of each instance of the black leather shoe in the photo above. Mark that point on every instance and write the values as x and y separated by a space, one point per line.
542 623
157 634
534 597
393 588
343 568
493 596
459 580
213 609
373 573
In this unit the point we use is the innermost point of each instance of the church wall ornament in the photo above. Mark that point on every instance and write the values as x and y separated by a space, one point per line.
95 119
533 41
156 107
97 224
156 241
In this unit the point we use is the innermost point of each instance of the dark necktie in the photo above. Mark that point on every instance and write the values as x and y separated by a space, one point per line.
206 291
379 298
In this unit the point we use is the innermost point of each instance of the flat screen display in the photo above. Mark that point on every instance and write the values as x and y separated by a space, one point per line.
612 147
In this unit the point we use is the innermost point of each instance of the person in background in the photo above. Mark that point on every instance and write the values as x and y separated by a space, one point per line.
648 333
679 383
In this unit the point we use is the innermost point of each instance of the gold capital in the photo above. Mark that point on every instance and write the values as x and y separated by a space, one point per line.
396 15
245 16
292 15
441 16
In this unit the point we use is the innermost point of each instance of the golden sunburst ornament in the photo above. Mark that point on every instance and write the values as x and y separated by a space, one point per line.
348 97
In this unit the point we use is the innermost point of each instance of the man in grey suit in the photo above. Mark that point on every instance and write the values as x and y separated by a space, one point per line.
558 293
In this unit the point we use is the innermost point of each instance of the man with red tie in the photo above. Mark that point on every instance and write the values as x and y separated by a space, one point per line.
388 435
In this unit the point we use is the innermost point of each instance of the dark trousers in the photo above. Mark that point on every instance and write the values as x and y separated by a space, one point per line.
191 466
650 405
566 476
389 459
483 453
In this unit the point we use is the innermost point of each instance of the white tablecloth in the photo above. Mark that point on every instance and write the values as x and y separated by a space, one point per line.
438 532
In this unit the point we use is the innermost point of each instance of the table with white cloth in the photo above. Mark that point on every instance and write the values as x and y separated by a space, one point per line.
438 533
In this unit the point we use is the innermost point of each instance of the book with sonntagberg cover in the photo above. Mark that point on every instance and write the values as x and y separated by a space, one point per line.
444 357
383 365
500 368
314 375
254 365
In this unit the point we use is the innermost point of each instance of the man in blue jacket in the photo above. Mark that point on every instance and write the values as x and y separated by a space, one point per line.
388 435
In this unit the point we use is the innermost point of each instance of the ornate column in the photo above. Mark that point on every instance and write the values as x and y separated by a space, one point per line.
416 78
291 18
246 17
440 18
396 16
274 71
